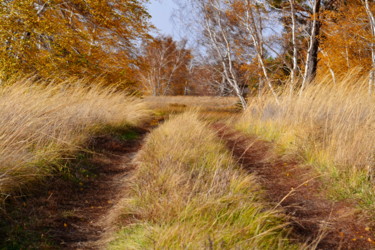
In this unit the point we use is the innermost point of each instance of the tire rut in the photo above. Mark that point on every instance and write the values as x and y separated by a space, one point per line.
65 214
86 228
315 220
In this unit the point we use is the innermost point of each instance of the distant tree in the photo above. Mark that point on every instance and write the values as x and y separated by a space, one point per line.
262 43
220 39
236 36
205 80
165 67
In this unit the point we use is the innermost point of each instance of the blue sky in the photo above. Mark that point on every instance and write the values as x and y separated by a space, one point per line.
161 12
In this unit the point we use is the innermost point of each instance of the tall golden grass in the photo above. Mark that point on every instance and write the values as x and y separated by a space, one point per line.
330 126
188 193
41 123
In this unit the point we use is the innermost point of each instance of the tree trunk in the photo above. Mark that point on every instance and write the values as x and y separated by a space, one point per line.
372 45
312 53
313 59
293 73
329 65
220 41
256 35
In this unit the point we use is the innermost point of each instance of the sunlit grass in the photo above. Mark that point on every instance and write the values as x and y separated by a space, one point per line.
330 126
42 124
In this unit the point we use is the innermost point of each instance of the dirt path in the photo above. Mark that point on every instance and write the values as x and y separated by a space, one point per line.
84 228
314 219
71 214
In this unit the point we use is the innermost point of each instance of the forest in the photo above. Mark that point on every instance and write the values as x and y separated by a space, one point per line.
254 130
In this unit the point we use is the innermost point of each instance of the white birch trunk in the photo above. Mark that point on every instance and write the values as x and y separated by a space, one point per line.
257 38
224 53
372 46
293 73
314 26
324 53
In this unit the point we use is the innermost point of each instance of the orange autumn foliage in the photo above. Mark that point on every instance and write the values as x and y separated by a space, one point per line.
81 38
346 39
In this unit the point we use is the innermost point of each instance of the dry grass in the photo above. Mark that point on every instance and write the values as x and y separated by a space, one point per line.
213 102
188 193
211 108
329 126
42 123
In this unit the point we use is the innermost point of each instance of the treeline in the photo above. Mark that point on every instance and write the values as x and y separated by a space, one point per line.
264 44
236 47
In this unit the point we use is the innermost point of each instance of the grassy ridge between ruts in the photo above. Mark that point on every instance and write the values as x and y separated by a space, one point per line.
41 125
189 193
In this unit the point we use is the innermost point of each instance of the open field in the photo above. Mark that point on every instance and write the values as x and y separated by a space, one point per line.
294 175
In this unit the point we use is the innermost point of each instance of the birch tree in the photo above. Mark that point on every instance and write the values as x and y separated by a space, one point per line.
293 73
164 69
313 46
250 18
372 45
219 34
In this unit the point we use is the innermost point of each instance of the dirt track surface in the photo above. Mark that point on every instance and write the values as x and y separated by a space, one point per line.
314 219
114 164
71 215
